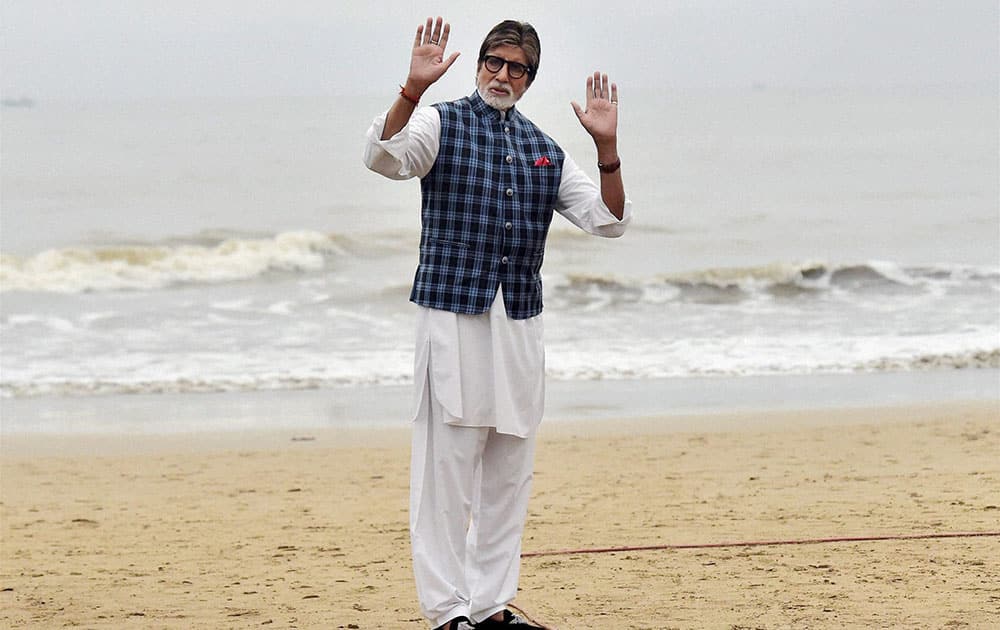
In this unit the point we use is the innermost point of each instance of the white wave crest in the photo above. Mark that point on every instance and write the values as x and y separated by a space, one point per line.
736 283
136 267
392 368
750 278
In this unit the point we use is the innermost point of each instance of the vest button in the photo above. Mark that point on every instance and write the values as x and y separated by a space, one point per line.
510 192
508 225
504 260
506 129
510 159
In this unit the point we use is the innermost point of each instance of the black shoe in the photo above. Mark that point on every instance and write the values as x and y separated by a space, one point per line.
458 623
510 621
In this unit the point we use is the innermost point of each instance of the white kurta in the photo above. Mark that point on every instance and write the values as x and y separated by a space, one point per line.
487 370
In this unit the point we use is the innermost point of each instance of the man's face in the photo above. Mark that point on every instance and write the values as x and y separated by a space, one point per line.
498 89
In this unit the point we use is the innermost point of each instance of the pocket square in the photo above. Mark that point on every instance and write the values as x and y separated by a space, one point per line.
543 161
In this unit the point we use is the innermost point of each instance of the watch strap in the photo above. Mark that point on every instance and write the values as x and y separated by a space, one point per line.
609 168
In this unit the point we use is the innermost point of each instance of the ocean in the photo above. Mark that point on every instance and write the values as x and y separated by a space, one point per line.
154 248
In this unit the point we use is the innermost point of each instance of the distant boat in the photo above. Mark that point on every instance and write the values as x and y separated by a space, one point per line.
24 101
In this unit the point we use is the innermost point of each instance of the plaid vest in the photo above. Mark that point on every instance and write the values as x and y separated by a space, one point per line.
486 207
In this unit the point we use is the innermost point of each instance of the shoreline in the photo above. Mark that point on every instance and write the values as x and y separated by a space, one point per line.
16 447
385 407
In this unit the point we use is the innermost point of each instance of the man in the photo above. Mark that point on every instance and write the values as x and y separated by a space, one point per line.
490 180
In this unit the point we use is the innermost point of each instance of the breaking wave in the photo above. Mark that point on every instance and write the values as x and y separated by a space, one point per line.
154 266
779 280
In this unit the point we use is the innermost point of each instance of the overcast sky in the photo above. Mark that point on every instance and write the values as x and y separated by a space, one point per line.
127 49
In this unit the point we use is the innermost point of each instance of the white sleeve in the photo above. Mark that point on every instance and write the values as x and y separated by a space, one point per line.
409 153
580 201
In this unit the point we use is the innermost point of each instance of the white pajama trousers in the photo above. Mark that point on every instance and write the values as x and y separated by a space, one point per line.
469 490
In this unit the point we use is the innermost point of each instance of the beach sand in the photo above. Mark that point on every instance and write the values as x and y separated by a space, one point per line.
308 529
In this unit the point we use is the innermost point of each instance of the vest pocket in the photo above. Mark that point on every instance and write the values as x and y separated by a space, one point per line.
532 261
439 241
437 253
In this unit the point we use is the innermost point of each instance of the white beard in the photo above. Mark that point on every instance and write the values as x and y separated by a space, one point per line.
503 103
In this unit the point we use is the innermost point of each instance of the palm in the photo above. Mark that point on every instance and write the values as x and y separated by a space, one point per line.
600 118
427 62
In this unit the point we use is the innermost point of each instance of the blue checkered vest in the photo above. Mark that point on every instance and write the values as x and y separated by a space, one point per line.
486 208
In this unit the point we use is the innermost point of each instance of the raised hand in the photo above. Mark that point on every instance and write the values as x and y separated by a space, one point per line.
600 118
427 62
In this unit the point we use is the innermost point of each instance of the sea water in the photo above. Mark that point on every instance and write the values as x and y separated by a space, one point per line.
184 247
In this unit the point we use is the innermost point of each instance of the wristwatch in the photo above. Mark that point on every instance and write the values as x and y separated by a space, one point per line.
609 168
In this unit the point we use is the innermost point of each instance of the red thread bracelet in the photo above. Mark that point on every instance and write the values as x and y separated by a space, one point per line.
402 92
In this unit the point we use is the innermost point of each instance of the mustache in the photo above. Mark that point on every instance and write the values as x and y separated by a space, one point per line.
499 86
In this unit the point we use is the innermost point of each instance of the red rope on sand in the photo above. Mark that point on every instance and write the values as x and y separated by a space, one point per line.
762 543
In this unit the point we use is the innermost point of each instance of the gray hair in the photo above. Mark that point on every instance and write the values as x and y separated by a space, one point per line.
514 33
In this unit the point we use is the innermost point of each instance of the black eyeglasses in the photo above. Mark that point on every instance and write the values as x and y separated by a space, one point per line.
514 70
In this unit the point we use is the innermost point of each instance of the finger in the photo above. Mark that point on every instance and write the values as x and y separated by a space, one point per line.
419 37
436 37
577 110
444 36
590 90
614 93
451 60
597 84
427 31
605 89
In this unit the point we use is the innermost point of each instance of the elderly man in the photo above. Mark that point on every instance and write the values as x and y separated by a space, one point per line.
490 180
